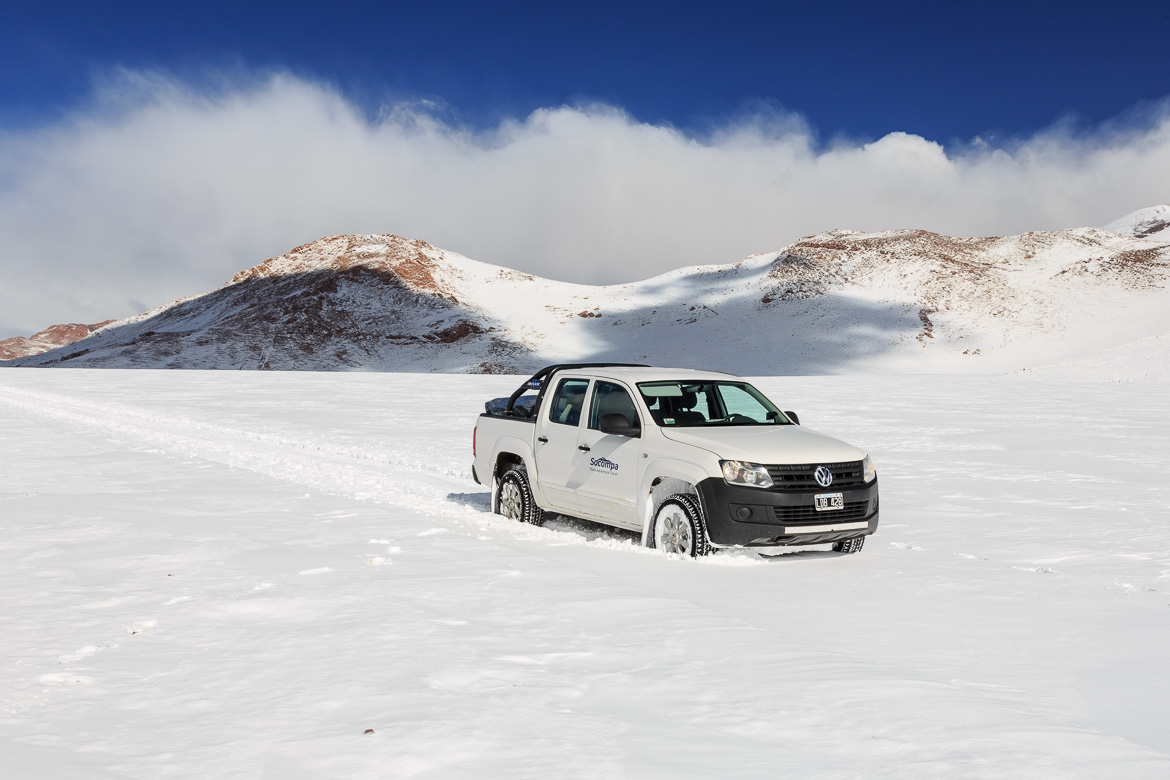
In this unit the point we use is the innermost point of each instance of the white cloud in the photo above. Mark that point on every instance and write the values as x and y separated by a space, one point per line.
158 189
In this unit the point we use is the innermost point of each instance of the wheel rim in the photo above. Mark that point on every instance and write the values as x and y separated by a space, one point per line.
511 502
672 531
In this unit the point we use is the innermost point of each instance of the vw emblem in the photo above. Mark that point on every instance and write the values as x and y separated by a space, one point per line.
824 476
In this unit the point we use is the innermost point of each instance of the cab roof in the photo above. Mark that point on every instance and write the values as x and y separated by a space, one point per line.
635 374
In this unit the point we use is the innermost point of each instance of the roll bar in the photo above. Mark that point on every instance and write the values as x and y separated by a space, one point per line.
534 382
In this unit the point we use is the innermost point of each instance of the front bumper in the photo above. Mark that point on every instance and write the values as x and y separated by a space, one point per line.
753 517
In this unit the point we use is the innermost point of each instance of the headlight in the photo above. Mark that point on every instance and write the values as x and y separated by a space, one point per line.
736 472
870 473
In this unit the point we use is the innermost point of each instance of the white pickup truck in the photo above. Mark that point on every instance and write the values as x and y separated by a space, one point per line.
691 459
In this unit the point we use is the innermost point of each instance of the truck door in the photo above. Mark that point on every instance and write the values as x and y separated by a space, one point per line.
606 467
557 429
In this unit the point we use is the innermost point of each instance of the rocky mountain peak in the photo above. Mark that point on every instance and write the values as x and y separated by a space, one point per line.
417 264
49 338
1151 224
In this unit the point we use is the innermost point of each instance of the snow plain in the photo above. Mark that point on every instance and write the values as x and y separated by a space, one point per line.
239 574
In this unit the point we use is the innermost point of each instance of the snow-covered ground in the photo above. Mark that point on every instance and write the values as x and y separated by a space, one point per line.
1144 360
239 574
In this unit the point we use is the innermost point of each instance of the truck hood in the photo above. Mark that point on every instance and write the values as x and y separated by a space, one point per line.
783 444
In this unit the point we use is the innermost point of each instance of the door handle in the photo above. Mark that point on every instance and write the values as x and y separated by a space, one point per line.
583 448
542 439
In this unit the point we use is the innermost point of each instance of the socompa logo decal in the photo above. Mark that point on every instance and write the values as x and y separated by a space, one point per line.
823 476
603 465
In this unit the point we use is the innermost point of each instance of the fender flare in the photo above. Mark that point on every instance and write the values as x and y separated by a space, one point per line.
665 469
521 449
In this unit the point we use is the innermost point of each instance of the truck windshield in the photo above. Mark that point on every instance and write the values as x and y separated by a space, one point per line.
691 404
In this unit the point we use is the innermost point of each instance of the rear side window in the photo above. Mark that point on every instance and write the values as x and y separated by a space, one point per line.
609 398
568 401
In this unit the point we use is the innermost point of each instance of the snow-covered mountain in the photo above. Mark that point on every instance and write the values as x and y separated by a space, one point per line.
1152 224
49 338
841 301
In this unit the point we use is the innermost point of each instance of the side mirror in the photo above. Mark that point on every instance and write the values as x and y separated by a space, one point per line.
792 416
618 425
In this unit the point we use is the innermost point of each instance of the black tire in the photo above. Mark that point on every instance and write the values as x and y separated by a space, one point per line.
679 528
849 546
515 500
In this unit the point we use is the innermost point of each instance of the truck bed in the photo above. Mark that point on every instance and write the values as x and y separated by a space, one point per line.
524 408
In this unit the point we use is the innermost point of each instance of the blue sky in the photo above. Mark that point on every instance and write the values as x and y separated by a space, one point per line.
945 71
150 151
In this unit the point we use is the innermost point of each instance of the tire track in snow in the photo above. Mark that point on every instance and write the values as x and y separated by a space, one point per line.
379 475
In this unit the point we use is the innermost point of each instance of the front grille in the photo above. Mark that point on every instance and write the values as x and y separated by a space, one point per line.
808 515
845 475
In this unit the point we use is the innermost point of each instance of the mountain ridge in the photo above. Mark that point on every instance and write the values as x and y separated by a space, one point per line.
50 338
839 301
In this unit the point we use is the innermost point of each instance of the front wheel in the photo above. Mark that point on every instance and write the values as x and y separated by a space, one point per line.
849 546
678 527
516 502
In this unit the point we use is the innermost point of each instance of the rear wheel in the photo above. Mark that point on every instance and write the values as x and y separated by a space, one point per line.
849 546
515 500
678 527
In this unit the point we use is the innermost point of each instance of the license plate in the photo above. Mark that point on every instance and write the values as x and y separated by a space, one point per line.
827 502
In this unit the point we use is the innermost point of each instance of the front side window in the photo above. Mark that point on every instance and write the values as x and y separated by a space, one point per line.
609 398
568 401
687 404
738 401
